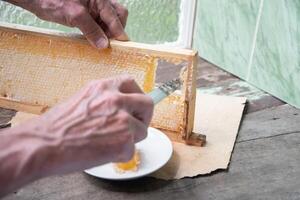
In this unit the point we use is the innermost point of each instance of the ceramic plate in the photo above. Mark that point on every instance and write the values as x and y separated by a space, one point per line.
155 152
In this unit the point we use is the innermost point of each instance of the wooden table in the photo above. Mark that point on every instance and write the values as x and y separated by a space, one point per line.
265 163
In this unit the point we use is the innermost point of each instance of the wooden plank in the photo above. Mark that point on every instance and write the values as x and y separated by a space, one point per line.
22 106
40 69
191 138
270 122
158 50
260 169
264 165
191 101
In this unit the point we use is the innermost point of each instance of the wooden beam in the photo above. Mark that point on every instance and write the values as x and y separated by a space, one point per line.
159 50
22 107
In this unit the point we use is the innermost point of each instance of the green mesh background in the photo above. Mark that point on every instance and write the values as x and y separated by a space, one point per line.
150 21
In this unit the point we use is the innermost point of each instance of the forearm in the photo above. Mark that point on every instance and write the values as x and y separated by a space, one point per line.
23 156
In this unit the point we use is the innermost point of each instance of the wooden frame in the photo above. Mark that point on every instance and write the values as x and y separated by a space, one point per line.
186 23
26 76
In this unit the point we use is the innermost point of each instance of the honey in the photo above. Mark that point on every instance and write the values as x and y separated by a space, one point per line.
131 165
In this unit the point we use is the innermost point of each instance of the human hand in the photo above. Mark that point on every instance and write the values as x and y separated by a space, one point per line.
98 20
98 125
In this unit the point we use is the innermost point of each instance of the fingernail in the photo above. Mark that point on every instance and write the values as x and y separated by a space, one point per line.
123 37
102 43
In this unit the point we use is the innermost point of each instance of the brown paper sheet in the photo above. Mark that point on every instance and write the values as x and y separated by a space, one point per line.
217 117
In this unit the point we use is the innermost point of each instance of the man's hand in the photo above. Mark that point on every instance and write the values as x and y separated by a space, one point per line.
97 19
100 124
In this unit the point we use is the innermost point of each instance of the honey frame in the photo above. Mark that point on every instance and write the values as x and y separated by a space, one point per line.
16 102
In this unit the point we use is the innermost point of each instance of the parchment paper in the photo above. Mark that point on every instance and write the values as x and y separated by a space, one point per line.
217 117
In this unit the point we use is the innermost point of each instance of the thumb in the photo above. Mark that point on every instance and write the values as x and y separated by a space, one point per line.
92 31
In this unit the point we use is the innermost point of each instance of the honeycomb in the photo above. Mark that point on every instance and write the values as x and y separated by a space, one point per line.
42 70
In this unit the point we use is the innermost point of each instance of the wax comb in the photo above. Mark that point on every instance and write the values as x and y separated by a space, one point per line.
40 69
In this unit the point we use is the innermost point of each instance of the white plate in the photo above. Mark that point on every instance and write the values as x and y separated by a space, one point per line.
155 152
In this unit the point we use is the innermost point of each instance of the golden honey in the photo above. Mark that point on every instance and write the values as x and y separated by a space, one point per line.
131 165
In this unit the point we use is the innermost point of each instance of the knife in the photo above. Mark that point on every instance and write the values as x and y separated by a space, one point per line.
165 90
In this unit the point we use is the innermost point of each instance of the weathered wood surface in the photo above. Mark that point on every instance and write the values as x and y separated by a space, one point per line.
265 163
276 121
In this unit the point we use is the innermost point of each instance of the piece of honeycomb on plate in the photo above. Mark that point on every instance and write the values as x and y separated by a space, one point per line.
131 165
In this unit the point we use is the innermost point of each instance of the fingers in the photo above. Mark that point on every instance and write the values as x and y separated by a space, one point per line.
139 109
139 106
105 19
123 84
125 154
128 85
135 130
110 17
122 12
129 96
90 29
124 94
138 129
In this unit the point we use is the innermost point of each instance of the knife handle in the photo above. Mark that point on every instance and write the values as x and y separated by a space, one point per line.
157 95
165 90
